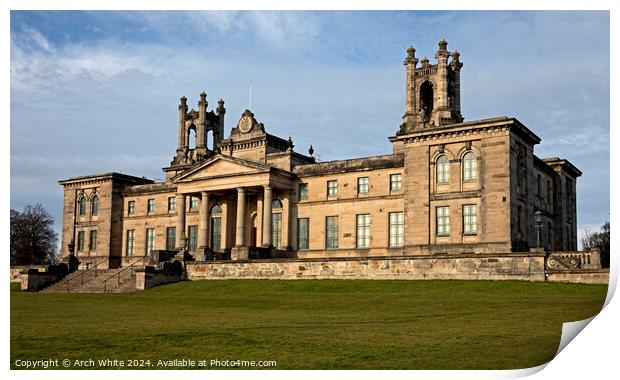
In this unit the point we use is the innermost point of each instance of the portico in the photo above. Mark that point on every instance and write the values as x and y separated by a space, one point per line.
244 191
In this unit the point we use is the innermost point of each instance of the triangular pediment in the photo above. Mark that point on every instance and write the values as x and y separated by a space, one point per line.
220 166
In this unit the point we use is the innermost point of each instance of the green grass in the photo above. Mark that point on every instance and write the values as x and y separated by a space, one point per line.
310 324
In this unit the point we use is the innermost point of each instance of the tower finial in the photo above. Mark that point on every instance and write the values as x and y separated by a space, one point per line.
443 44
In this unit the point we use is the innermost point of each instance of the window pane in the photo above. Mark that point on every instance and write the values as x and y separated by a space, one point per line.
150 205
80 243
303 233
363 231
95 207
395 182
171 237
443 169
396 229
331 233
192 238
83 205
303 191
150 240
469 219
216 234
172 203
332 188
131 244
93 241
443 220
276 230
362 185
131 206
469 167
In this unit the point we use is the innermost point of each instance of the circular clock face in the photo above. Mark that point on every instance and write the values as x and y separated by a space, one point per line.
245 124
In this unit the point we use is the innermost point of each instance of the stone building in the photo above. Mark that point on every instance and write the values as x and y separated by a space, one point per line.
449 186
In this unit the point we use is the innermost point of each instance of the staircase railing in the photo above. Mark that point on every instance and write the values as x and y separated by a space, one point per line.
117 274
81 274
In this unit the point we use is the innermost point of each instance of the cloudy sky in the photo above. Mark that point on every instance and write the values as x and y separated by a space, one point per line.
98 91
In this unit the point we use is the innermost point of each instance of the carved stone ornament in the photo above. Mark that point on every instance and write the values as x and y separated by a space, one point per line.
563 263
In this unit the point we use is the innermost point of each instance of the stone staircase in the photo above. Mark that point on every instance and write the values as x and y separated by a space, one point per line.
89 281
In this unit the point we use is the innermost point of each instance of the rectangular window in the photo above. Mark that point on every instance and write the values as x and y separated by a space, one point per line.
150 240
80 242
470 222
331 232
276 230
131 242
192 237
362 185
303 233
443 220
303 191
332 188
193 202
92 244
171 238
549 193
131 207
363 230
395 182
150 206
172 204
397 229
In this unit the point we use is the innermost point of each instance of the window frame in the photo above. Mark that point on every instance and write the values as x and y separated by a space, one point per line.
365 228
131 207
442 220
396 229
305 235
82 209
331 193
365 185
172 204
130 242
470 219
149 241
94 205
329 232
470 167
303 194
442 170
276 230
392 182
91 246
192 239
150 206
80 241
169 236
194 203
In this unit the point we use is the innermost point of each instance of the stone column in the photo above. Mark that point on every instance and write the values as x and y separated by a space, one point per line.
203 221
267 199
180 232
240 236
410 96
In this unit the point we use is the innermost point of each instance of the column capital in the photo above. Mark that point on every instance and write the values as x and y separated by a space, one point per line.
267 187
204 193
240 190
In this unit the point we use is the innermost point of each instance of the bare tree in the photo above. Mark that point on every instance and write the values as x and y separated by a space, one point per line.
598 240
33 241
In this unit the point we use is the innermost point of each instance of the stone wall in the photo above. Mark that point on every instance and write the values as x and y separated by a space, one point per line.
583 276
16 275
513 266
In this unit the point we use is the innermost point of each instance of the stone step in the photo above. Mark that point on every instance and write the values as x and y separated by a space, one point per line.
91 283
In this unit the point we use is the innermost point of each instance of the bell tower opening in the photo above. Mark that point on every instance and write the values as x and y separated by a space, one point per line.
426 99
191 137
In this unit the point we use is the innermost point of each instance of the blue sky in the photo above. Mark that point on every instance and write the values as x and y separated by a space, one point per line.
98 91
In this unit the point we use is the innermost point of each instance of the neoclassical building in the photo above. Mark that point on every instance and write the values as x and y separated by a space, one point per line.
449 186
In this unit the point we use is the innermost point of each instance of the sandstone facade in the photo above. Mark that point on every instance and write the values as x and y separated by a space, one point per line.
449 187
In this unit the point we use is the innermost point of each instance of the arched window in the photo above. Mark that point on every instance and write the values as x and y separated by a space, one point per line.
276 204
95 205
83 205
443 169
469 166
216 210
191 137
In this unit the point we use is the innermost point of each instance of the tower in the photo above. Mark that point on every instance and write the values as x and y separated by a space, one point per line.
200 123
433 93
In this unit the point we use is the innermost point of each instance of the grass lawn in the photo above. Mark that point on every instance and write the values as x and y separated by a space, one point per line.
309 324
